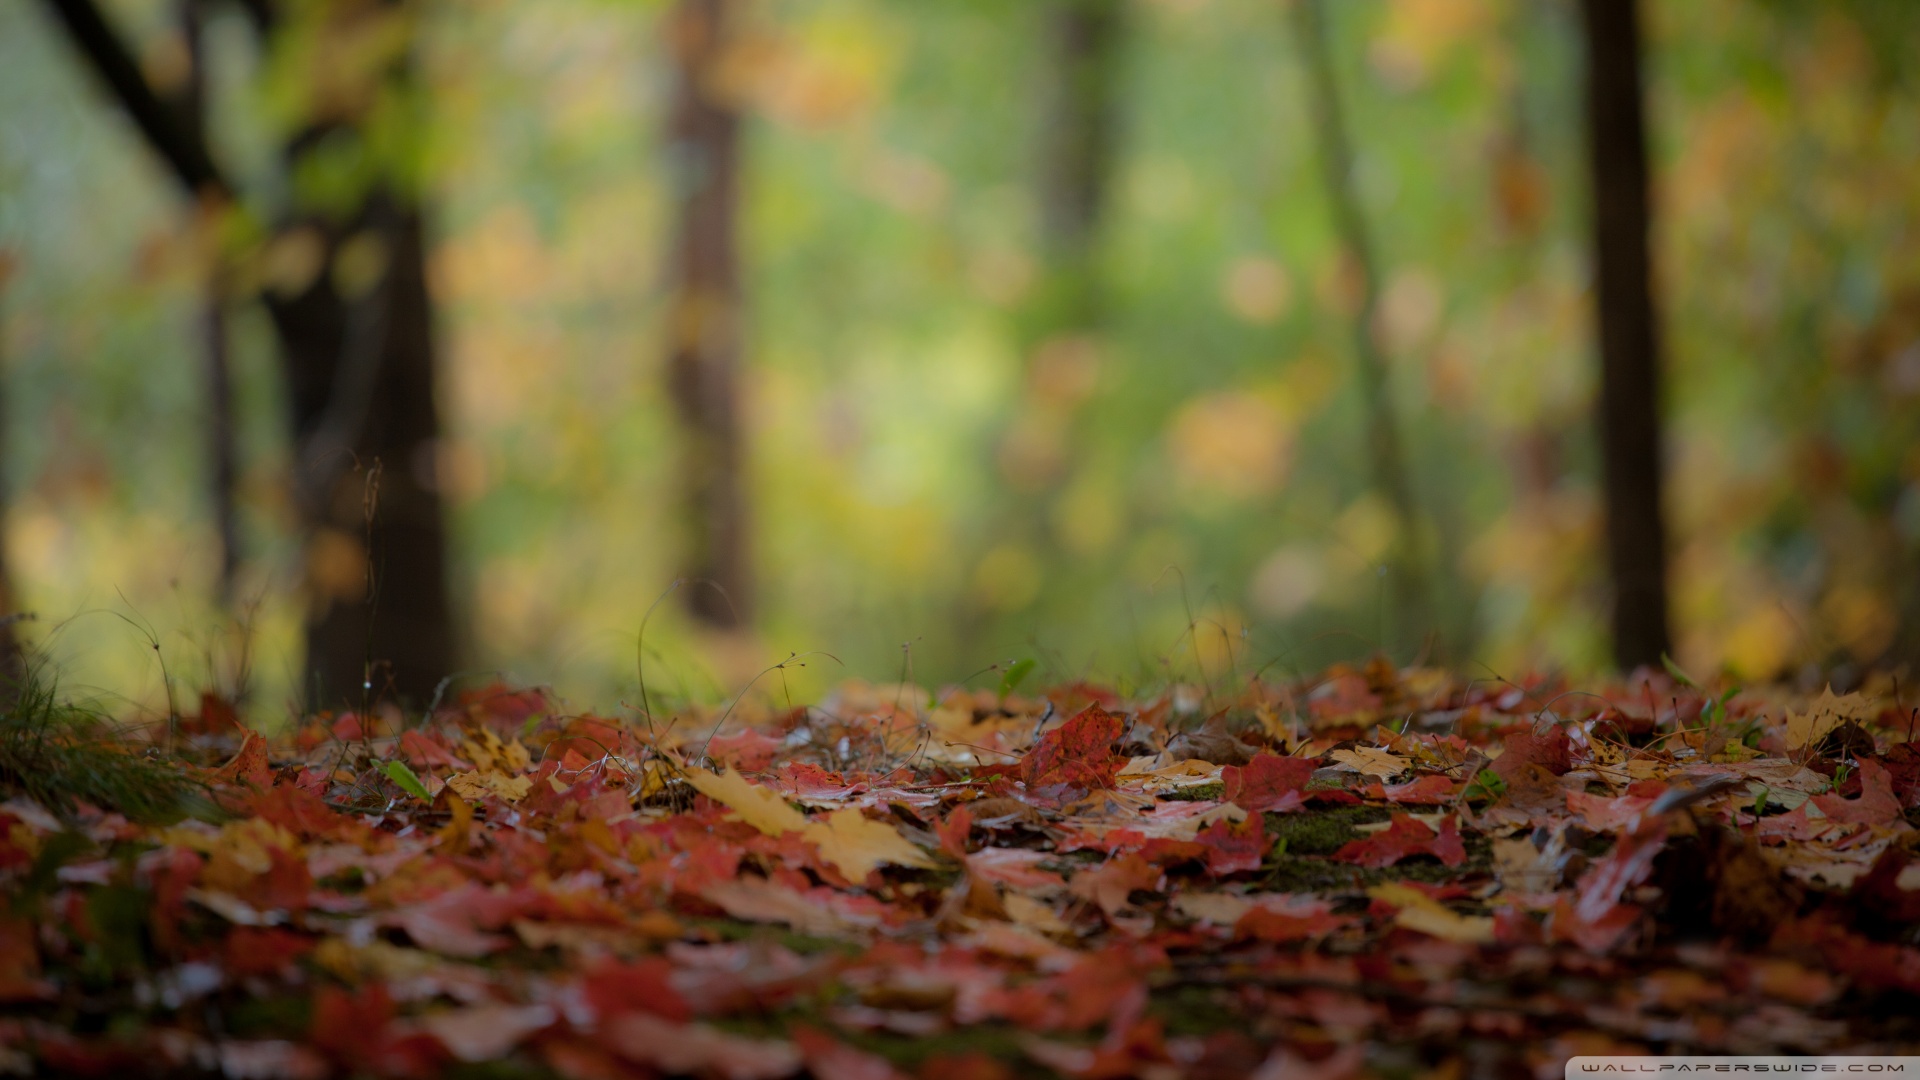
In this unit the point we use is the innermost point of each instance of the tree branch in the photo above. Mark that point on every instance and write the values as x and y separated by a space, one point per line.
185 154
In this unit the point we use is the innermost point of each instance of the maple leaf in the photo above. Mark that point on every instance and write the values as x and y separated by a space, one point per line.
1284 919
1268 782
477 786
1234 847
1876 804
1432 789
1370 761
760 807
1404 837
858 845
249 766
1077 755
1109 885
1421 912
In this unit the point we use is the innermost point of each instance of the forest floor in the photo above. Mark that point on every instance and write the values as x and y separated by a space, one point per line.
1373 873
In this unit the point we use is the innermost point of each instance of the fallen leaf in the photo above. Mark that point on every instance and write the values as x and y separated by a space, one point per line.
857 845
1076 755
760 807
1418 911
1876 804
1405 837
1268 782
1370 761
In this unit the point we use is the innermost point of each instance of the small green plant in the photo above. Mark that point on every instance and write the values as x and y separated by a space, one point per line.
1486 787
399 773
1840 774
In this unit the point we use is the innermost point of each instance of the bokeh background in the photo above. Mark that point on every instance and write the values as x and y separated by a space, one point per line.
940 477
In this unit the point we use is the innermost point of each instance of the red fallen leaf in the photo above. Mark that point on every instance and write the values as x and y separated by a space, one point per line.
1268 782
1234 847
1871 964
249 766
304 814
1109 884
1404 837
1551 751
828 1056
1607 815
1879 889
1627 865
1876 804
1596 935
954 831
349 728
1077 755
1300 917
1792 825
1903 761
647 985
1432 789
749 751
1098 988
250 951
357 1031
429 750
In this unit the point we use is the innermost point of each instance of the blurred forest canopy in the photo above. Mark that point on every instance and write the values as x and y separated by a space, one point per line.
1042 330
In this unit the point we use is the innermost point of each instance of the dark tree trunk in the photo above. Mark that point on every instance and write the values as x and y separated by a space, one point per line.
1386 457
704 320
1076 157
1630 434
360 377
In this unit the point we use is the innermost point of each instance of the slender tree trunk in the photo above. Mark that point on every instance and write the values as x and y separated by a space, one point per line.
1076 158
1630 434
222 468
705 320
1386 457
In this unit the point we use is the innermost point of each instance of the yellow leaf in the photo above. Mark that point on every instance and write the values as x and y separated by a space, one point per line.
1370 761
757 806
858 845
1826 714
1421 912
475 786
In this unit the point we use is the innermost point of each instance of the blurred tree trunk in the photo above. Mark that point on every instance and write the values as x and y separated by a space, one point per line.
355 326
1076 161
1630 435
1412 598
222 467
704 320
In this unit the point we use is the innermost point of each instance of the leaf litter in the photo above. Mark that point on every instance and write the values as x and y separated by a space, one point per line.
1373 873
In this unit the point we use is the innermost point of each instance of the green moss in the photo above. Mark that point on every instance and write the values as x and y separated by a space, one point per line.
803 944
1199 793
1322 832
